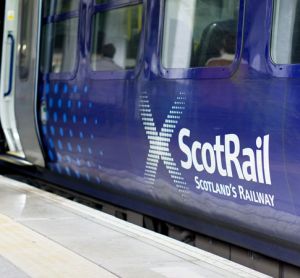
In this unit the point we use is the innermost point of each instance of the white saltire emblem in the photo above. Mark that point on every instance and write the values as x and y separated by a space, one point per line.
159 141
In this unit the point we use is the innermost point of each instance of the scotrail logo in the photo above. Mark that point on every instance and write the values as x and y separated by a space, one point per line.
228 157
225 156
160 141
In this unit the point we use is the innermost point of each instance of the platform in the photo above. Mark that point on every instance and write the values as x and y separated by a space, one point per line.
44 235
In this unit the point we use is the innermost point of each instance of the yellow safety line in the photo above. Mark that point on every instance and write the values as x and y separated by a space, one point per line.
38 256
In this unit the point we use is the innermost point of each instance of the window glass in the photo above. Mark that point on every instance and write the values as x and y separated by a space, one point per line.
51 7
285 46
115 38
48 7
2 5
64 6
101 1
199 33
24 48
59 44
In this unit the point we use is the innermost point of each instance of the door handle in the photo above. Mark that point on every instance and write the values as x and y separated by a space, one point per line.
11 64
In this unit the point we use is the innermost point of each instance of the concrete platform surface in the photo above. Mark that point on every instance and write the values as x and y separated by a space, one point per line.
44 235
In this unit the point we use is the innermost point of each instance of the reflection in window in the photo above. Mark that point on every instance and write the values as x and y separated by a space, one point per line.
101 1
1 26
199 33
59 6
115 38
64 6
48 7
24 48
59 44
285 47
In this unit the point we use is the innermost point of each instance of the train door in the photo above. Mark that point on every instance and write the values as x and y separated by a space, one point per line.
19 81
2 7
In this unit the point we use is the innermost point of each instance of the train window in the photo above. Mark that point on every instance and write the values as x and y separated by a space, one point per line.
285 44
48 7
64 6
2 5
115 38
101 1
51 7
199 33
24 48
59 44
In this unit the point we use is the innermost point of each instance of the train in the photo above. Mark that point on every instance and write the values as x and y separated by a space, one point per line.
186 111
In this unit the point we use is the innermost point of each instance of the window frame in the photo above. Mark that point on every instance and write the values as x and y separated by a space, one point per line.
277 70
56 18
201 72
119 74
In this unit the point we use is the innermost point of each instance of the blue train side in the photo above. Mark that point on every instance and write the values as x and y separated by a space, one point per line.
212 149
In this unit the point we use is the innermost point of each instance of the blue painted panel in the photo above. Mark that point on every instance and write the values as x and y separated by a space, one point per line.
135 137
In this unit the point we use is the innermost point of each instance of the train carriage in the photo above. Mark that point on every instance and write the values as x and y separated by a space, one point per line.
182 110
